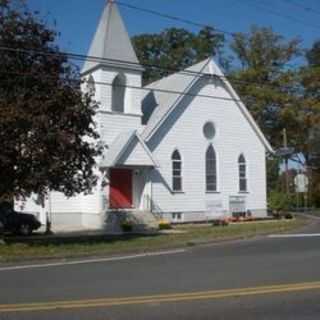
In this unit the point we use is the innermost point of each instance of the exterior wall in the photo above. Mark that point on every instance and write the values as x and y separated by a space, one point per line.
133 96
30 206
135 155
183 130
67 214
109 123
141 188
112 124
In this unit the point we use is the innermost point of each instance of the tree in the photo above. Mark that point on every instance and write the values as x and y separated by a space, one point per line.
268 87
47 134
310 78
175 49
273 174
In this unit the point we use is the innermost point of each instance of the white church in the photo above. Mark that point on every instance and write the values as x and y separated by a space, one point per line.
184 148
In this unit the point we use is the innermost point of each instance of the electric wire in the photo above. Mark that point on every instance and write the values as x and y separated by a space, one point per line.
117 63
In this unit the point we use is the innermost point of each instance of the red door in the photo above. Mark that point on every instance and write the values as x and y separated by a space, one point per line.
120 189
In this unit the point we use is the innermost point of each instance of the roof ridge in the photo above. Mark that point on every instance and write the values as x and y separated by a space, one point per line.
205 62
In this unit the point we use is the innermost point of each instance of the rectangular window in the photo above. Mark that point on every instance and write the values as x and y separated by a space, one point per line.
177 217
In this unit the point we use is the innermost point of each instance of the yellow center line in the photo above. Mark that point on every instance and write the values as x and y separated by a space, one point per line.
161 298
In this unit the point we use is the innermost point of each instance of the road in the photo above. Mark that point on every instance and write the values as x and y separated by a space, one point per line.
268 278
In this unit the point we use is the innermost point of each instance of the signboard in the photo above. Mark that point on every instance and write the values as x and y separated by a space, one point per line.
214 206
237 204
301 183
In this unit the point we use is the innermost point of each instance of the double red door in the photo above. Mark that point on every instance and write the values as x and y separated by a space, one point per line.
121 189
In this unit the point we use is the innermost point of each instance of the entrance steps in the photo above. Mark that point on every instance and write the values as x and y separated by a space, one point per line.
141 221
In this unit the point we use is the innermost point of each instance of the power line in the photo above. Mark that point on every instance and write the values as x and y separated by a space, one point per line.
149 89
115 62
197 24
186 21
175 18
300 6
260 6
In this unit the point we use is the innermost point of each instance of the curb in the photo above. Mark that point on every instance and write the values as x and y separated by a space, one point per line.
187 245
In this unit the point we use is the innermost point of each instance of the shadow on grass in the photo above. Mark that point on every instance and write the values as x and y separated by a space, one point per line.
74 239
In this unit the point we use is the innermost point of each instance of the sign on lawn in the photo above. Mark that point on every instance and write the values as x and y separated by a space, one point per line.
237 204
301 182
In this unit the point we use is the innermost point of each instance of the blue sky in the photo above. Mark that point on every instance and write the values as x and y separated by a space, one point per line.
77 19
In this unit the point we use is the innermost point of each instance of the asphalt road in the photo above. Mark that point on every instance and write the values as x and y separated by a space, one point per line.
269 278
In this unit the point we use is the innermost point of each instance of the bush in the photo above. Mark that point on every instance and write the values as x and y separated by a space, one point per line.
288 216
126 226
220 222
164 225
278 202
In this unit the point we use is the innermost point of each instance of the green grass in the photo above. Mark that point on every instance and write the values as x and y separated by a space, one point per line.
193 235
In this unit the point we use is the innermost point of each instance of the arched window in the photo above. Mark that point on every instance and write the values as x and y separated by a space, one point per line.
211 170
242 173
176 171
118 93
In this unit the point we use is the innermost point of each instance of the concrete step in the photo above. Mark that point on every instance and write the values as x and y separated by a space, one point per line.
141 220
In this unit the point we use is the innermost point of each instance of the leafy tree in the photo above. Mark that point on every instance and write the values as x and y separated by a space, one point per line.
278 201
313 55
47 134
265 83
310 78
311 82
175 49
273 174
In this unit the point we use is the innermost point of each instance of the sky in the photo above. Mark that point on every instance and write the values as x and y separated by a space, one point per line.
77 20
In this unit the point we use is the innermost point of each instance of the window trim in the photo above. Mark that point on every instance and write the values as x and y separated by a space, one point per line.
121 77
175 176
209 122
216 189
242 161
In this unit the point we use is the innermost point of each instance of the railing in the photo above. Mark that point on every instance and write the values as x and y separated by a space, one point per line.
151 205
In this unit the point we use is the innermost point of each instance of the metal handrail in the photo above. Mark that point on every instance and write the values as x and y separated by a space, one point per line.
151 205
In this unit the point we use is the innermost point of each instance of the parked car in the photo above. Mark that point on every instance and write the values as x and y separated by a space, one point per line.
18 223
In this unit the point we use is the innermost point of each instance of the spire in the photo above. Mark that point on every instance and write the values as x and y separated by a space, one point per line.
111 41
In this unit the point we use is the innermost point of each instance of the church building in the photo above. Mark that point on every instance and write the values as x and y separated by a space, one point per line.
184 148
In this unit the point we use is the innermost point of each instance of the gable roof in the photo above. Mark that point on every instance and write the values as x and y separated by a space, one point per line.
180 82
124 148
183 82
111 41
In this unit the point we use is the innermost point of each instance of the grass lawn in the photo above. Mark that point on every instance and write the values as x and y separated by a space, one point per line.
192 235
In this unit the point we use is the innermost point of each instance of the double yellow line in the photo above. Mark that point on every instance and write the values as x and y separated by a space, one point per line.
161 298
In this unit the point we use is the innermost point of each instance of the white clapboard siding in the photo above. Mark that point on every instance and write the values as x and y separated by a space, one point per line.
135 155
184 131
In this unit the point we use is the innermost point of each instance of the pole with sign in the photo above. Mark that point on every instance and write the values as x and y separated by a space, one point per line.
301 182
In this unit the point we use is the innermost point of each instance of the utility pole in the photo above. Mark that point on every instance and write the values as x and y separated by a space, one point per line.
286 160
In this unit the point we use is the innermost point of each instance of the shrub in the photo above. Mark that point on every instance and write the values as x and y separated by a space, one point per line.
278 202
164 225
220 222
288 216
126 226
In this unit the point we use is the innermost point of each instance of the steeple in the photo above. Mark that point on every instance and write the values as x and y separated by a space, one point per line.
111 42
